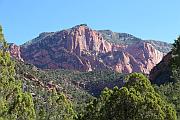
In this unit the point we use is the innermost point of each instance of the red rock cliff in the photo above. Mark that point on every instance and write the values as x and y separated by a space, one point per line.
81 48
15 52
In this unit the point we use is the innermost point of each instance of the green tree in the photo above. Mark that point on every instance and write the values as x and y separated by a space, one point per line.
54 106
175 64
60 108
14 104
176 52
171 90
137 100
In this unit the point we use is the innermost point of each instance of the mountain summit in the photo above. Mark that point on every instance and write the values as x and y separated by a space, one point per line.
83 49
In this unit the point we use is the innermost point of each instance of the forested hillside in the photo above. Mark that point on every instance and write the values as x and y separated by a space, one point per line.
29 93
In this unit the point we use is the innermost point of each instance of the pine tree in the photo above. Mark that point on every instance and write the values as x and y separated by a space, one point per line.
176 52
55 106
175 64
14 104
137 100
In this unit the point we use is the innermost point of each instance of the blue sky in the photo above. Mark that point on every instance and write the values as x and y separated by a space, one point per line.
23 20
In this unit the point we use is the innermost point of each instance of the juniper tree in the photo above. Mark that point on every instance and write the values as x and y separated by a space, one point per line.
176 60
137 100
14 104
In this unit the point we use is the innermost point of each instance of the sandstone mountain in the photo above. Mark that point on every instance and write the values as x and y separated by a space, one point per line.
83 49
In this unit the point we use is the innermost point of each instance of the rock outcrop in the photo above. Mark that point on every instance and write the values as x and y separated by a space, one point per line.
15 52
146 55
83 49
161 73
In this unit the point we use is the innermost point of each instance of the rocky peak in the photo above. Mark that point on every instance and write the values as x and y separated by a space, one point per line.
78 39
81 48
82 39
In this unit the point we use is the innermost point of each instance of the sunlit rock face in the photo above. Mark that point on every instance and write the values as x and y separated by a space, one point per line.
15 51
83 49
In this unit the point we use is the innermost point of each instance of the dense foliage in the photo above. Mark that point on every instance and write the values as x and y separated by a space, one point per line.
137 100
78 86
14 103
176 52
54 106
171 90
176 60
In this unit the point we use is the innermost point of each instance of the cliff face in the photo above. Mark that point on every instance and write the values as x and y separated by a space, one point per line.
161 73
146 55
15 52
83 49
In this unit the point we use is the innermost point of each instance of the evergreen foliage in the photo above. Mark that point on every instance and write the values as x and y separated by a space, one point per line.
54 107
137 100
176 52
175 64
14 104
171 90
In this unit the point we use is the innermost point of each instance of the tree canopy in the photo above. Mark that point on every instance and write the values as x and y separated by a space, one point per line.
176 52
137 100
14 103
171 90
